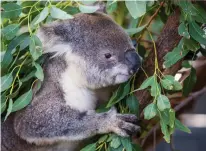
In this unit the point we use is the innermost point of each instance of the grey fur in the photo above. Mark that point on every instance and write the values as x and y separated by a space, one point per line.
48 122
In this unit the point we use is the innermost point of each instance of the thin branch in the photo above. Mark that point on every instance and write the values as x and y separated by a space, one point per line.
155 14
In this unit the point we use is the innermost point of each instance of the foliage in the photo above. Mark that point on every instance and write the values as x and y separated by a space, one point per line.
21 57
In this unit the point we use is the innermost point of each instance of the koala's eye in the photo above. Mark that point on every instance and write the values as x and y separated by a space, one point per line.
107 55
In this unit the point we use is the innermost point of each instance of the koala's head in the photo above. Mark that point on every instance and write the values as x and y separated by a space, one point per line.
95 46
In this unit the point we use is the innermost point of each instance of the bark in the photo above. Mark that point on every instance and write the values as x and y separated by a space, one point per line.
167 40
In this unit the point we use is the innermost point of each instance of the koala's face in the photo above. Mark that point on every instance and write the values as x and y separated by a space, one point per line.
104 52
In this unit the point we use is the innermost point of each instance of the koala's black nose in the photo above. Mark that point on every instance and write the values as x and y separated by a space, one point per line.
133 60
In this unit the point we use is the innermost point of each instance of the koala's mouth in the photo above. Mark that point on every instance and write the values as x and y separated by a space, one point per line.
120 78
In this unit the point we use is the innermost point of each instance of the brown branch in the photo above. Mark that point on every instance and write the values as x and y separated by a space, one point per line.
167 40
155 14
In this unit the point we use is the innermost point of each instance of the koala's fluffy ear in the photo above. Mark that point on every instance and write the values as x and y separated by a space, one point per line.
51 40
102 6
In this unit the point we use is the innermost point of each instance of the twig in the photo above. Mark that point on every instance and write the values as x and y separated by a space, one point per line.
155 14
172 146
190 98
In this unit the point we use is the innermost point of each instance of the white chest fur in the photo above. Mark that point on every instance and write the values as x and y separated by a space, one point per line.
76 95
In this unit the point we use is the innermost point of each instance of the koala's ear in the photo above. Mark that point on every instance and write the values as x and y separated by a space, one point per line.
102 6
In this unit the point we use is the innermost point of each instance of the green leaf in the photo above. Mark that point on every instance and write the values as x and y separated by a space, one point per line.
9 32
186 64
88 9
35 47
169 83
90 147
115 143
40 17
3 103
11 10
9 109
111 6
163 102
164 116
155 89
24 43
148 82
171 118
133 31
177 53
22 101
119 94
136 8
189 82
6 81
102 139
39 71
165 131
181 127
197 33
183 30
59 14
191 44
126 142
200 14
133 104
8 54
150 111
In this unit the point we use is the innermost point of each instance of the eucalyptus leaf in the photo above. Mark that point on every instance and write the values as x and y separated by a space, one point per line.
115 143
133 31
189 82
39 71
186 64
165 131
88 9
163 102
155 89
11 10
133 104
148 82
9 109
59 14
10 31
22 101
136 8
90 147
197 33
172 57
171 118
40 17
6 81
126 142
111 6
181 126
183 30
119 94
35 47
3 103
150 111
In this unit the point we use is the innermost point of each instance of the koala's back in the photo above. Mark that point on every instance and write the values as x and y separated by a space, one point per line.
49 95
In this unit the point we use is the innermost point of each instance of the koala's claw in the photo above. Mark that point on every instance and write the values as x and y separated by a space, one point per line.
128 118
123 124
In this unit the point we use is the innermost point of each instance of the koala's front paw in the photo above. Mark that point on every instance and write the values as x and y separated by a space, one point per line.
123 124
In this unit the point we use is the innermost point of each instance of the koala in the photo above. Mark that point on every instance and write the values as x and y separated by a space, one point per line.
86 58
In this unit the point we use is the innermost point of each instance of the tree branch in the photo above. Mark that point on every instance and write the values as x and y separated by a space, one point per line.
167 40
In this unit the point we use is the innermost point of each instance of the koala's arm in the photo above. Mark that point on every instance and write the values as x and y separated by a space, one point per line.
51 123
